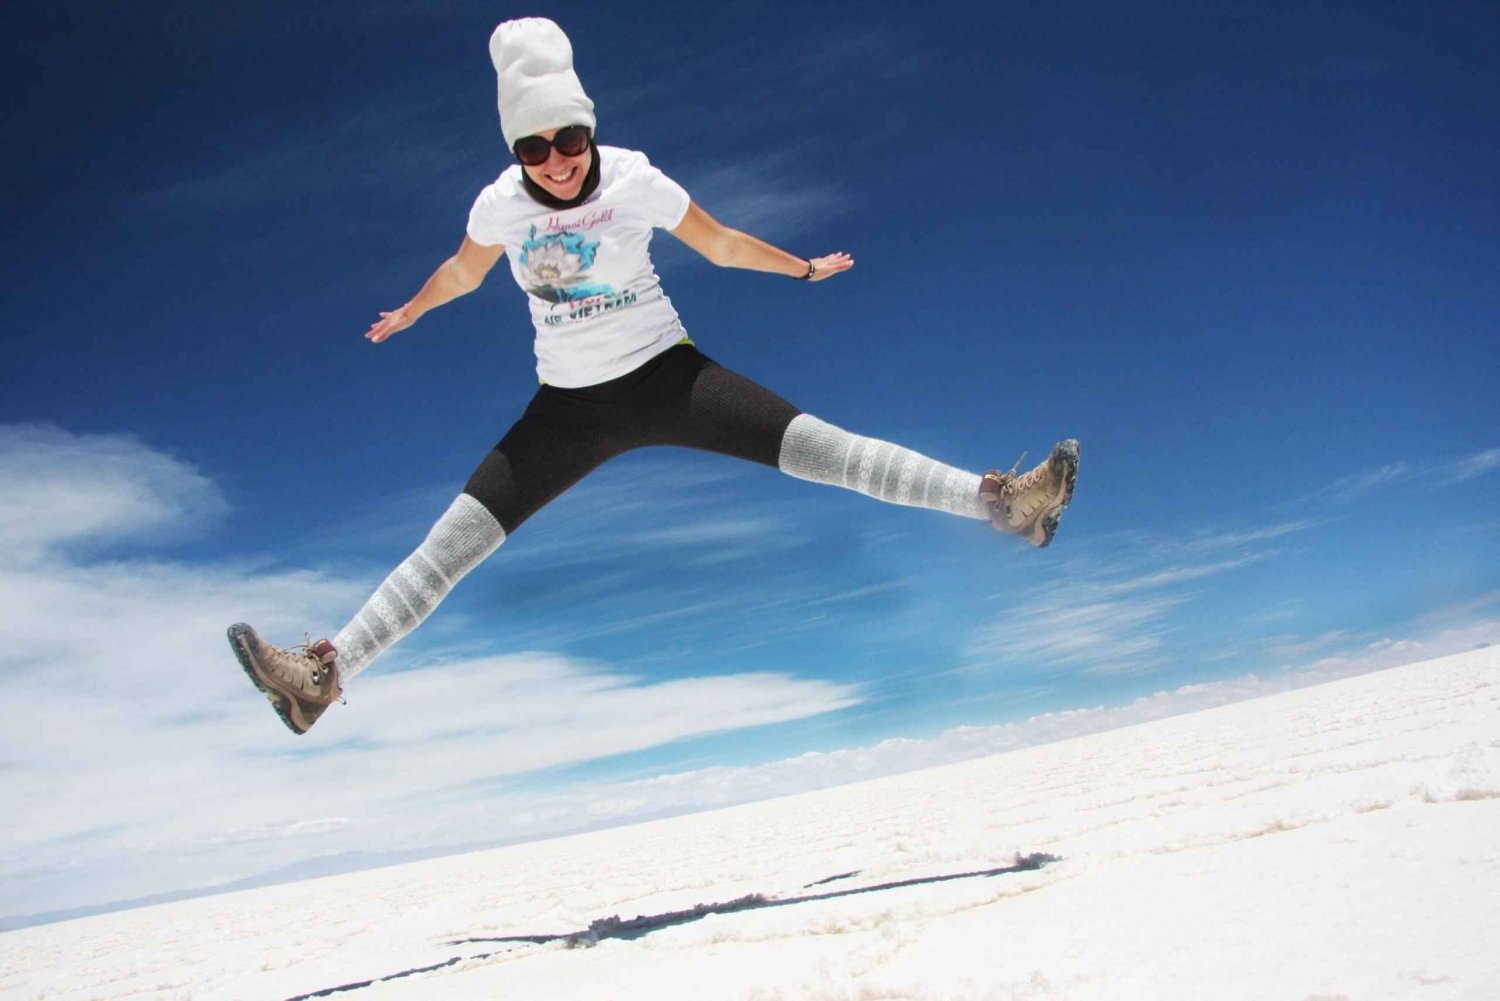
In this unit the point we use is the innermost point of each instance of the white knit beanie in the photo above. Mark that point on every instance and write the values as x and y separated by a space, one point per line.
538 88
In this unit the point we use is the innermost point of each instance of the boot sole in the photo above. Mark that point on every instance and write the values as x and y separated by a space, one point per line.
284 705
1067 453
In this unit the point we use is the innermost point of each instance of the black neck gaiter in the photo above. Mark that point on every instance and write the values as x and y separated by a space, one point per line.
590 183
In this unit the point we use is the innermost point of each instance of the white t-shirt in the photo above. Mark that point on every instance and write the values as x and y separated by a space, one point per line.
596 302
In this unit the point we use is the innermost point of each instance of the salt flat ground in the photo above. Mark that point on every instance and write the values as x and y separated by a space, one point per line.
1335 842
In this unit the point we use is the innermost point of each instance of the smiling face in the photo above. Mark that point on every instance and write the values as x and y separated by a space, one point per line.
561 176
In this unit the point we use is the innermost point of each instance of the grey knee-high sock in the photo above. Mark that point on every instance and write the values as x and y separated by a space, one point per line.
815 450
459 542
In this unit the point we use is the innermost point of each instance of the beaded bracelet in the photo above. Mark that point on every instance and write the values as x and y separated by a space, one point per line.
811 270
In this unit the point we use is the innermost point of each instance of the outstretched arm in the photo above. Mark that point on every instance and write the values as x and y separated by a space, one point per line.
458 275
729 248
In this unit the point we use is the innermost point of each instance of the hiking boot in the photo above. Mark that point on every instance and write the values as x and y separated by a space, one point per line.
1031 504
300 682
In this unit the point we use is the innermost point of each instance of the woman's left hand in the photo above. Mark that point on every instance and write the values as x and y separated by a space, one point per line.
832 264
390 323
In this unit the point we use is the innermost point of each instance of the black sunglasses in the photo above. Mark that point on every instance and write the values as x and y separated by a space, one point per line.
534 151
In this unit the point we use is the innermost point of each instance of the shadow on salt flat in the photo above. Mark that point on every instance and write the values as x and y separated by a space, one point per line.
615 927
832 879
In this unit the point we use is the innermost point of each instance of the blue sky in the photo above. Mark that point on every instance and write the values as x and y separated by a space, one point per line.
1246 255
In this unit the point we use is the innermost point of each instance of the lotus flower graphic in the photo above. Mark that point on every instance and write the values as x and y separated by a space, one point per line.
552 267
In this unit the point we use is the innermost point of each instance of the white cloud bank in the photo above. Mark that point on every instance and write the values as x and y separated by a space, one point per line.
137 758
59 488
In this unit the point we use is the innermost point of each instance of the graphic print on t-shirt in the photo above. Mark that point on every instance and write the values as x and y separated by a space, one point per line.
553 266
595 301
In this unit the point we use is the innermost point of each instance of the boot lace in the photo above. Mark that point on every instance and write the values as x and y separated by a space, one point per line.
1004 483
1020 484
306 649
1007 494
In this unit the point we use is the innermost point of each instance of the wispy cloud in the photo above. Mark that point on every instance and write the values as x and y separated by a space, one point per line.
1354 486
1115 617
612 505
352 157
1244 537
1179 574
1463 609
1104 636
1341 652
1290 648
734 557
770 194
1473 466
774 185
780 72
117 665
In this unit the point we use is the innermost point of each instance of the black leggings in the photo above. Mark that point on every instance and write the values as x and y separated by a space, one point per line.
680 397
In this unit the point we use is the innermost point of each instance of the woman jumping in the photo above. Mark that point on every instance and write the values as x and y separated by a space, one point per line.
617 368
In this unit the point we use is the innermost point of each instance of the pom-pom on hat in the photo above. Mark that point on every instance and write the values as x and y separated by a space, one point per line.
538 88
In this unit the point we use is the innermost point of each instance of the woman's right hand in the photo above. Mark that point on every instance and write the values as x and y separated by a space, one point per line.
390 323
